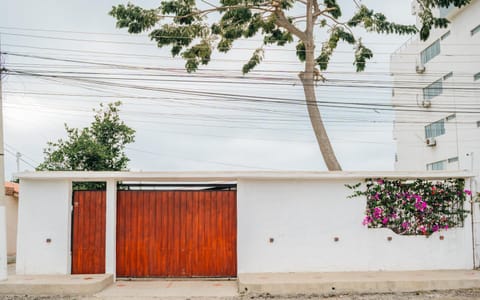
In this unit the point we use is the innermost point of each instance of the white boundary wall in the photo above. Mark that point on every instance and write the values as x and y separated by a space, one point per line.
304 216
302 211
44 212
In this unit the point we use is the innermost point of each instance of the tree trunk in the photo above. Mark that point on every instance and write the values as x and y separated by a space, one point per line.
307 78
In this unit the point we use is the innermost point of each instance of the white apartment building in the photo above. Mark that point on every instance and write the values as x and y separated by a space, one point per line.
436 95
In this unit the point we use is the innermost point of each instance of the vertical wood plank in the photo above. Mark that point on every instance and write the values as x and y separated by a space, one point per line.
121 228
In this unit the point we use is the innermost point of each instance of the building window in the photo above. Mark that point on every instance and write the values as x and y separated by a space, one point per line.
438 165
475 30
445 35
453 159
446 76
476 76
430 52
433 90
450 117
435 129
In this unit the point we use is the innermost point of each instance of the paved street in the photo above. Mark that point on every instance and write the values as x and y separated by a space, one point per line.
225 292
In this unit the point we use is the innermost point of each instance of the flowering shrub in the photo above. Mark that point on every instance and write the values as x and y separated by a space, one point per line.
413 207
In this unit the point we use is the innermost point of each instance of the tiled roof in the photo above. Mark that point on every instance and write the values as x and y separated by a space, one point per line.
11 189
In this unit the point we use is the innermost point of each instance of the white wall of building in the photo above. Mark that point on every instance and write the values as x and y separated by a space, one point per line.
459 54
304 216
44 212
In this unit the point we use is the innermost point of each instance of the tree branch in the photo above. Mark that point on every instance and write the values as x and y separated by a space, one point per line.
282 21
322 12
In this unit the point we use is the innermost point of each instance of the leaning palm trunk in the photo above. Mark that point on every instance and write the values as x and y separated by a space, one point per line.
308 78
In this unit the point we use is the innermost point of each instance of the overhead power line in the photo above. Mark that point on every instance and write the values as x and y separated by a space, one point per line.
151 44
239 97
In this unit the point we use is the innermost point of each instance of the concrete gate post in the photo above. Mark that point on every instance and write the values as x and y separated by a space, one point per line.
111 228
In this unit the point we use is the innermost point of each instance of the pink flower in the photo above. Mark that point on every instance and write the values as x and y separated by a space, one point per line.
377 212
420 205
445 227
367 220
468 192
422 229
380 181
417 197
405 225
385 221
435 228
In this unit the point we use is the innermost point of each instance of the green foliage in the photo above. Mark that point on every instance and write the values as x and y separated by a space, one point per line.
254 61
198 54
362 53
337 34
189 34
377 22
419 207
335 11
96 148
183 9
135 18
429 21
279 37
301 51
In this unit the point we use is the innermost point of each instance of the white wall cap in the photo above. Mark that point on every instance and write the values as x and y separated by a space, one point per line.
208 176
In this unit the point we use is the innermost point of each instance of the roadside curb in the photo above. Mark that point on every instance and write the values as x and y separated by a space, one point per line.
356 282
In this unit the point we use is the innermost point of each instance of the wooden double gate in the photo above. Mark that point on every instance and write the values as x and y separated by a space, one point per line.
159 233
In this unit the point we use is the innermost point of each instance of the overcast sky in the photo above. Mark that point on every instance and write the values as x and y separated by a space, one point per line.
176 131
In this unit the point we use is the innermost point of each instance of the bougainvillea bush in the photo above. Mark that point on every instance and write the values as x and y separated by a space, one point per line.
418 207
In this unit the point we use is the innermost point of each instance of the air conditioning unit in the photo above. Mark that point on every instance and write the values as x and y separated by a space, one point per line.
419 68
431 142
426 103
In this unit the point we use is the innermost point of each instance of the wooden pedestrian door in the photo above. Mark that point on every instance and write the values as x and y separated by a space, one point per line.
186 233
88 232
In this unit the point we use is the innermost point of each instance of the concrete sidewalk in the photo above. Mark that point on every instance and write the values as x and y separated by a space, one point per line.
357 282
58 285
173 289
281 284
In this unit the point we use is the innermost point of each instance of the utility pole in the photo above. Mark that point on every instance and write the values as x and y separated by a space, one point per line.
18 156
3 219
2 150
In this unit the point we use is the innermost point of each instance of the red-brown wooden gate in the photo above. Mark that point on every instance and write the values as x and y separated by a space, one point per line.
88 232
176 234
